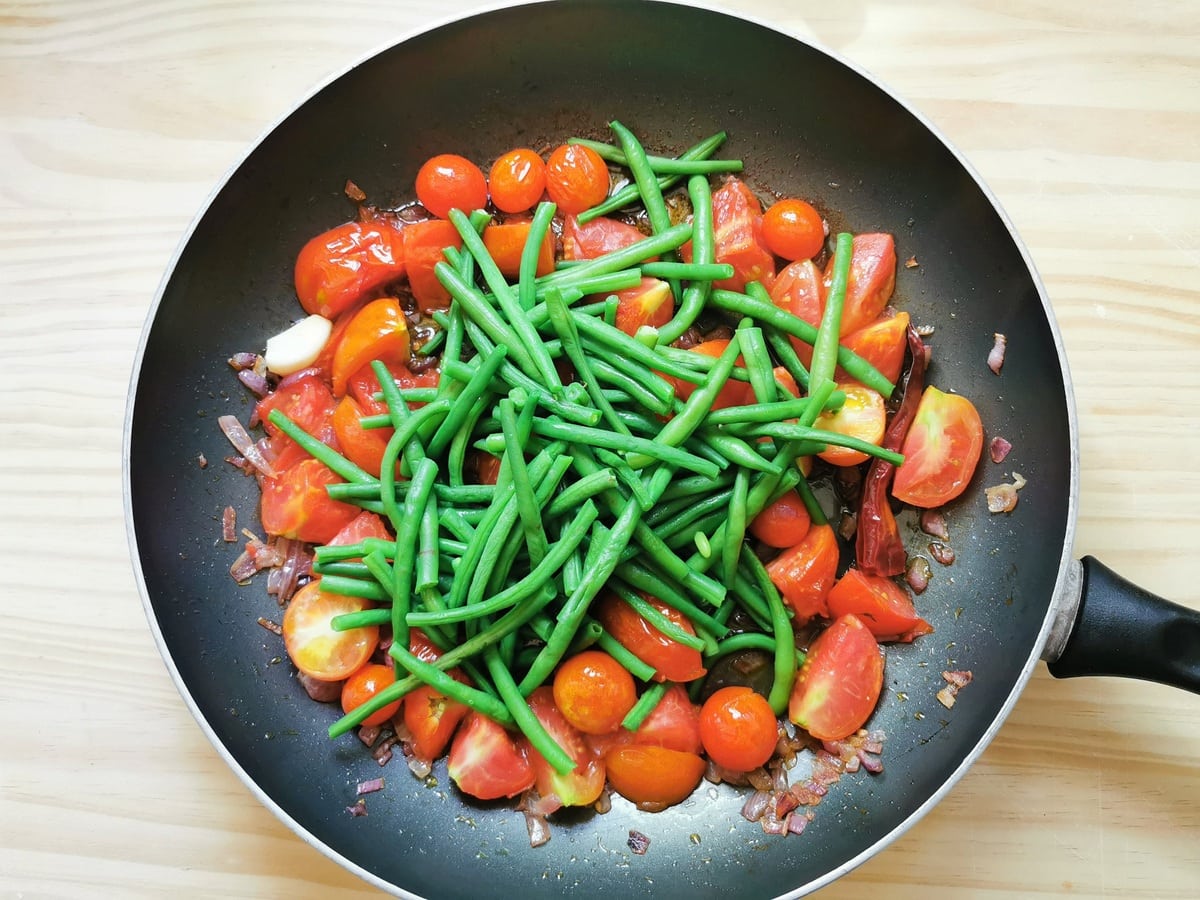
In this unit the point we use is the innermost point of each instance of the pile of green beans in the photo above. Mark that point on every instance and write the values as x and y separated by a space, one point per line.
607 483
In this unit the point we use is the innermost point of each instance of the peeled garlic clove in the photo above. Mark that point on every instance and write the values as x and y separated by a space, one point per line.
299 346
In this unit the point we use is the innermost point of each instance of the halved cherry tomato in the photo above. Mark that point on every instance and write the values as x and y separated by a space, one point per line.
872 280
784 523
594 692
336 268
449 181
378 331
364 684
653 778
305 399
517 180
649 303
793 229
863 415
737 237
838 686
312 644
941 450
576 178
363 386
486 762
734 393
596 237
423 246
506 242
585 783
738 728
431 719
881 343
672 661
805 573
884 606
295 503
363 447
365 525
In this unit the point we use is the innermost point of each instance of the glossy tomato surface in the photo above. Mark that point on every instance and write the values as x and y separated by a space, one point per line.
839 684
941 450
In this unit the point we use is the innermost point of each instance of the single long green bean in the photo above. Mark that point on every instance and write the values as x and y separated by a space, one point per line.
647 449
483 314
340 466
631 255
735 529
784 636
526 288
693 271
825 347
647 185
479 383
696 295
451 687
526 720
560 319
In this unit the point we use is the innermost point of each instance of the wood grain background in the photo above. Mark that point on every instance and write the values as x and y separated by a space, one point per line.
117 118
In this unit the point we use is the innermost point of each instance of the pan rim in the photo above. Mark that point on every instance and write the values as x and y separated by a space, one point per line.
1066 560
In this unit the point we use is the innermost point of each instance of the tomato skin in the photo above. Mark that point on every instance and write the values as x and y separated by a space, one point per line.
576 178
336 268
839 684
423 246
805 573
580 787
672 661
784 523
737 237
596 237
506 242
313 646
486 762
884 606
306 400
653 778
517 180
941 450
738 729
296 505
872 280
363 447
378 331
594 692
449 181
882 343
793 229
364 684
649 303
863 415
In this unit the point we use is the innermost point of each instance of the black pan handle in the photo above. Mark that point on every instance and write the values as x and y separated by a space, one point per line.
1121 629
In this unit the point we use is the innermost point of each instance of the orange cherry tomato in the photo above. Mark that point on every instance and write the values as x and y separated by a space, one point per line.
312 644
839 684
793 229
576 178
378 331
594 692
872 279
863 415
487 762
585 783
738 728
364 684
517 180
596 237
884 606
363 447
423 246
338 267
449 181
649 303
506 243
881 343
737 237
306 400
783 524
295 503
653 778
805 573
672 661
941 450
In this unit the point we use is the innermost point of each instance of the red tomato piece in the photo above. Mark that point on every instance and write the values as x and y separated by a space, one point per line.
313 646
363 685
363 447
423 246
585 783
784 523
863 415
941 450
884 606
378 331
486 762
793 229
594 692
306 400
650 303
881 343
674 723
734 393
738 729
800 290
449 181
596 237
653 778
672 661
839 684
295 503
872 280
336 268
365 525
517 180
805 573
363 386
431 719
737 237
506 242
576 178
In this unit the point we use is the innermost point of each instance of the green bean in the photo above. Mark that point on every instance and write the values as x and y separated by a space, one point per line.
664 588
527 507
825 346
479 383
456 523
776 411
639 669
703 545
785 353
647 185
695 484
693 271
526 720
645 705
526 289
735 450
564 325
380 615
647 449
693 511
428 547
697 293
400 439
451 687
662 165
815 512
484 315
432 345
784 637
406 543
735 530
794 432
645 388
747 640
354 587
631 255
628 477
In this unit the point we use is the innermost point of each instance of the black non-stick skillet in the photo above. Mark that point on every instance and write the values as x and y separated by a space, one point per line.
806 125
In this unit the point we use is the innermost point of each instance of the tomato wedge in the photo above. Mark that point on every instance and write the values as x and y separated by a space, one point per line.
653 778
734 393
313 646
363 386
363 447
872 279
737 237
295 503
863 415
596 237
338 267
649 303
487 762
306 400
941 450
365 525
672 661
583 785
839 684
884 606
378 331
805 573
423 246
674 723
431 717
800 290
881 343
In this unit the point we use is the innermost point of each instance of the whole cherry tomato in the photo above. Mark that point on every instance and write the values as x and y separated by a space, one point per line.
449 181
576 178
738 729
594 692
364 684
517 180
793 229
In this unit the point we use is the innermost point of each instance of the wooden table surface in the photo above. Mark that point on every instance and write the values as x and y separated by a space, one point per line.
117 118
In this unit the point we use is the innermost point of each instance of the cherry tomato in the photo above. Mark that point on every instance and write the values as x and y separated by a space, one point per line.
884 606
362 446
336 268
449 181
423 246
517 180
585 783
365 525
295 503
881 343
941 450
863 415
378 331
672 661
363 386
805 573
734 393
506 242
649 303
486 762
594 692
783 524
306 400
738 729
431 719
872 279
838 686
596 237
576 178
312 644
364 684
653 778
324 360
737 237
793 229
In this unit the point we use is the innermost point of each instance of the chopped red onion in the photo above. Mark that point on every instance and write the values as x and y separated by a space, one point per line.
370 786
943 553
321 691
755 806
797 823
243 360
603 803
256 382
638 842
244 567
539 829
359 808
999 449
240 438
996 357
202 461
1001 498
272 627
932 522
369 734
229 525
918 573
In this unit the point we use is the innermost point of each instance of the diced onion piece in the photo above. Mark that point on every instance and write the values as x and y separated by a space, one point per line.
996 356
299 346
240 438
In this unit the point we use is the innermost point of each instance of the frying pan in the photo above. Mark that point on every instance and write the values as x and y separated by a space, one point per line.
531 75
